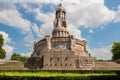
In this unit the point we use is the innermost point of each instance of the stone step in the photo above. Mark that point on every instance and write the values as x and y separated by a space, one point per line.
107 65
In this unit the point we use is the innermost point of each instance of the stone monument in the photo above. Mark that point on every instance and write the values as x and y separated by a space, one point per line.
60 51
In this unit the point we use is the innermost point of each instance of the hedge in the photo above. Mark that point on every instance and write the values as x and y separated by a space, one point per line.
67 71
61 78
112 75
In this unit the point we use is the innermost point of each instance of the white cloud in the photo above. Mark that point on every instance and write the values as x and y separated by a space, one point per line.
47 26
7 6
46 29
35 28
102 27
117 17
29 39
89 14
13 19
8 48
28 54
9 15
43 17
74 30
102 53
5 37
47 20
56 1
91 31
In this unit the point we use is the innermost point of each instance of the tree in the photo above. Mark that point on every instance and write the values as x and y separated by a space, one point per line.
115 50
15 57
1 40
18 57
2 51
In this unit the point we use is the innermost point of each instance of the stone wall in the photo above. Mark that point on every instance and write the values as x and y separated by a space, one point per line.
59 60
84 62
34 63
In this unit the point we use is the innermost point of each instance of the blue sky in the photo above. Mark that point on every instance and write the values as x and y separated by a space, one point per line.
23 22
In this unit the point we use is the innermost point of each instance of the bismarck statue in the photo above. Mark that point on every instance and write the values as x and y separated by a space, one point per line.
60 51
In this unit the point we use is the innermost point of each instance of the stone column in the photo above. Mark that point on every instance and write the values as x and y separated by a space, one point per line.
72 43
59 23
48 42
65 34
85 46
60 34
61 14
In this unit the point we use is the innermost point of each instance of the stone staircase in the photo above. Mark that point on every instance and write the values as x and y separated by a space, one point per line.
84 63
99 65
11 65
106 65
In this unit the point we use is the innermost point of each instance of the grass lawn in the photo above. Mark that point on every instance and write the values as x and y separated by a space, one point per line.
51 74
59 74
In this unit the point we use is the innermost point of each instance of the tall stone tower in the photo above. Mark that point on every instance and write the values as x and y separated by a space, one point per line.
60 51
60 27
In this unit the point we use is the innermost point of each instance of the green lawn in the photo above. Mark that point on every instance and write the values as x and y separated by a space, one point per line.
49 74
59 74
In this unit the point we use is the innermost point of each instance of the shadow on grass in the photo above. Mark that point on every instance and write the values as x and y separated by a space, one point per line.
61 78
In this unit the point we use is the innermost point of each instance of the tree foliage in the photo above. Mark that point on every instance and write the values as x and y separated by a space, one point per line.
2 51
1 40
116 50
18 57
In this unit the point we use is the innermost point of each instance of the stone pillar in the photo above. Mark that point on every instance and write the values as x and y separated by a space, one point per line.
60 14
48 42
85 46
56 33
60 34
59 23
72 43
65 34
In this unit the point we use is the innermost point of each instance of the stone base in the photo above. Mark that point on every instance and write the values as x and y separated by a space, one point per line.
60 60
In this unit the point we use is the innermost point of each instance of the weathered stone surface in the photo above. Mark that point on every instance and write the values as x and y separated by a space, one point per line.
61 50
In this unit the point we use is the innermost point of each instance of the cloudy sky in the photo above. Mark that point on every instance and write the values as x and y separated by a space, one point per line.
24 21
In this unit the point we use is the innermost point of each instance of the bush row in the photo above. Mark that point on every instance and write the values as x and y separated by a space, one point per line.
67 71
61 78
